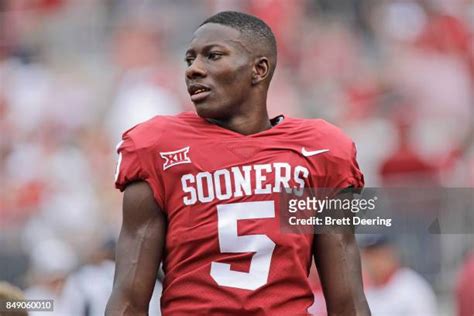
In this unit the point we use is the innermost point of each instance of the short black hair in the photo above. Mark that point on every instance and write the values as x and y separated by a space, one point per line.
251 27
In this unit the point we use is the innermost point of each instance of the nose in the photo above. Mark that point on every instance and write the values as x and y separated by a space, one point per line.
196 69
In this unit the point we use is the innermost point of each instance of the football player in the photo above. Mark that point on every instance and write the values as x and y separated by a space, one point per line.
201 193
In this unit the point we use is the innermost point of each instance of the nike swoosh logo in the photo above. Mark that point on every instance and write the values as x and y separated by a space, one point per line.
312 153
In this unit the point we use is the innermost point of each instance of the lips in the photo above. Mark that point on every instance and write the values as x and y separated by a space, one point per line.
198 92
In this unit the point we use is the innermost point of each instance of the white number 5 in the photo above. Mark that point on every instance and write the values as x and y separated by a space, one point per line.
230 242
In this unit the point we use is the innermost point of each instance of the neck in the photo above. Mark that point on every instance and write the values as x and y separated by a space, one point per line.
251 118
246 124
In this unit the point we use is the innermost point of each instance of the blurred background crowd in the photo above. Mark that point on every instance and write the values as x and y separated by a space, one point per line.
396 75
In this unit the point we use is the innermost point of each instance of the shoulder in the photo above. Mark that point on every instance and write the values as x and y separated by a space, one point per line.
325 130
152 131
320 133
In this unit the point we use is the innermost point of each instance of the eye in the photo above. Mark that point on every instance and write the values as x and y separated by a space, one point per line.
189 60
214 55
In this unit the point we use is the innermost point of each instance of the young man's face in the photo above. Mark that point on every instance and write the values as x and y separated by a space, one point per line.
219 71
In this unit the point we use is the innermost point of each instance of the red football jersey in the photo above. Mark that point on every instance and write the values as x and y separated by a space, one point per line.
225 253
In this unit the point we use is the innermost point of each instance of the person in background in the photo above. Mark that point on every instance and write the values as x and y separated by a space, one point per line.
87 290
393 289
51 263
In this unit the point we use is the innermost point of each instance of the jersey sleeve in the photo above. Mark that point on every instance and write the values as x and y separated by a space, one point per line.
136 164
340 169
344 171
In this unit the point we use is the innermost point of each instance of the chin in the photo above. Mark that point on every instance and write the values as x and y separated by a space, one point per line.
208 111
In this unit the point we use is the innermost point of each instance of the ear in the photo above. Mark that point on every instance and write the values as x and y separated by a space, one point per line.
261 70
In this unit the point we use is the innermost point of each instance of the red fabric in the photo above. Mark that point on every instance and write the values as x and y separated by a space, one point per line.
465 289
405 162
405 167
50 5
447 34
361 101
193 237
